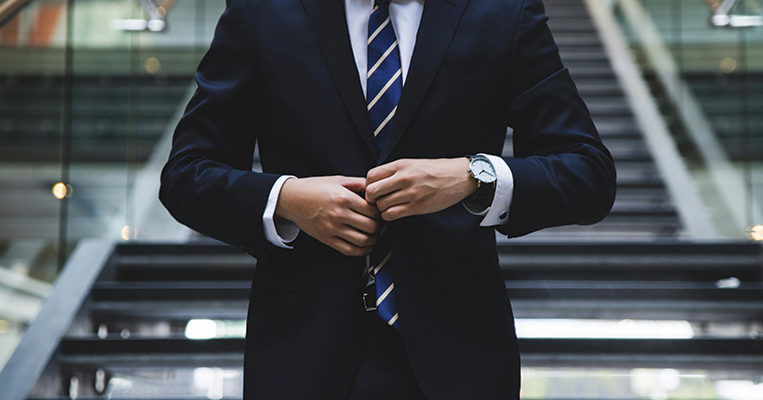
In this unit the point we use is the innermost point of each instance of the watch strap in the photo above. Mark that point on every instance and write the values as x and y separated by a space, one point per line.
483 196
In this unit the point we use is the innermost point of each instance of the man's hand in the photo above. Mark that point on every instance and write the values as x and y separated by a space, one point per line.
331 209
418 186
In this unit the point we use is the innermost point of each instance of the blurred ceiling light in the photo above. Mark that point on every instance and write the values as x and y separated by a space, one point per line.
129 24
727 65
128 232
744 21
201 329
754 232
61 190
154 25
152 65
603 329
736 21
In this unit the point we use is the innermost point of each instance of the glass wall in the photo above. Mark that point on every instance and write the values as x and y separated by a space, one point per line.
89 93
704 63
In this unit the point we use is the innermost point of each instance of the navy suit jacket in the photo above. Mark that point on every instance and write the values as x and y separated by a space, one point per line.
282 73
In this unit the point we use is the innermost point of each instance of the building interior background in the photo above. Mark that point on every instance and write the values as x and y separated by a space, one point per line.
661 300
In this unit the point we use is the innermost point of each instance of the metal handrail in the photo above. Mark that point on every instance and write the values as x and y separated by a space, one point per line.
41 339
9 8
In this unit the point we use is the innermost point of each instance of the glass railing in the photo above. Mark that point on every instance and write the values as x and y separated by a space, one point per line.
704 64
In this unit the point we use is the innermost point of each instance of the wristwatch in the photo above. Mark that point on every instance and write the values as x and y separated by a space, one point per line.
483 172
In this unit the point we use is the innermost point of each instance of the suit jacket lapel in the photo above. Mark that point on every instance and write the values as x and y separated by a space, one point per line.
438 25
329 24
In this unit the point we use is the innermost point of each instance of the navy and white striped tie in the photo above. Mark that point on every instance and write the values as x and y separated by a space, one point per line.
385 83
384 77
380 272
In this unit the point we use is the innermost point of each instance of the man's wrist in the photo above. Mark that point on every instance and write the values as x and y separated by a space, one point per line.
482 172
278 231
469 183
282 204
498 211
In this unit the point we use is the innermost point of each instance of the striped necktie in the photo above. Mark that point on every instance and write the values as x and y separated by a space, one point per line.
385 83
384 77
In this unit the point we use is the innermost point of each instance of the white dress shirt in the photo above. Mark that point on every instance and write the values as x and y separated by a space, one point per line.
405 16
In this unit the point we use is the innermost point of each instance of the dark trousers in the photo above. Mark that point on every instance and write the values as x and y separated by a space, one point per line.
382 370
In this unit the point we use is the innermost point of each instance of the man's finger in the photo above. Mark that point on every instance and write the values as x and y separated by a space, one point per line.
393 199
364 223
361 206
346 248
355 185
381 172
357 238
397 212
384 187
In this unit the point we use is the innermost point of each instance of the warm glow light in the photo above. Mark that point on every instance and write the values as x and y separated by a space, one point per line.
59 190
3 326
728 65
754 232
128 233
161 11
152 65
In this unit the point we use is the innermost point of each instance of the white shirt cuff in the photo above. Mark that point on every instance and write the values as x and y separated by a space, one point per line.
280 232
498 212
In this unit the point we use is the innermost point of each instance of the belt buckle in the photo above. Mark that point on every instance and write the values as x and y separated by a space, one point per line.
365 303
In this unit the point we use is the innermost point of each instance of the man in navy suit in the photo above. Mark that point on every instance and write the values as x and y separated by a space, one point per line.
425 182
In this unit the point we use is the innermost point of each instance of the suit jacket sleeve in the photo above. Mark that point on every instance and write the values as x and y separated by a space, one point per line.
207 182
562 172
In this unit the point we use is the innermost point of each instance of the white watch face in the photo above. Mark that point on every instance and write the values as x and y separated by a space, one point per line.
483 170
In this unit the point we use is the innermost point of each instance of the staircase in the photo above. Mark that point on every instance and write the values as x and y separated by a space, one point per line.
158 321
